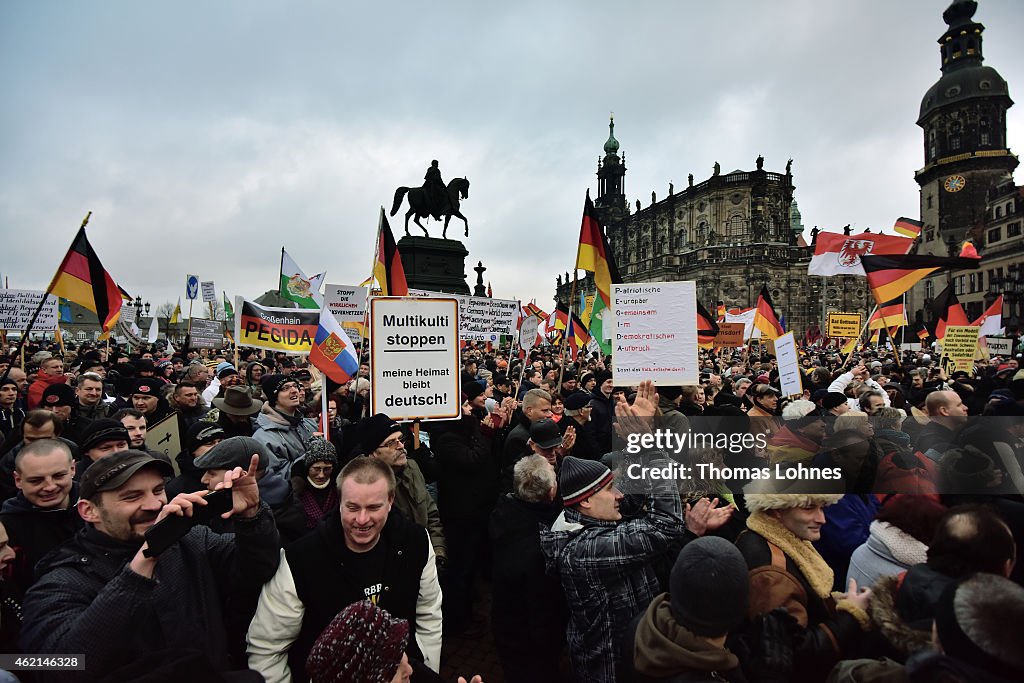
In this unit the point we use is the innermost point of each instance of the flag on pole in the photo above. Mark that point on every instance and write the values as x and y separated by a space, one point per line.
839 254
176 315
81 278
889 277
765 317
991 321
332 351
295 286
908 227
721 311
849 346
967 250
490 292
948 311
890 315
594 255
154 330
229 312
922 333
707 327
388 270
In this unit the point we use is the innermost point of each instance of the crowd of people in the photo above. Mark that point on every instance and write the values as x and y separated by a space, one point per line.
352 546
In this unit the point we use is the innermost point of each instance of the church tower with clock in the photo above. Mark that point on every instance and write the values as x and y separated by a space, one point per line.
963 116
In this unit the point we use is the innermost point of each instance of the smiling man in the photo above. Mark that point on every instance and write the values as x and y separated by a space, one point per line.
365 551
281 426
43 514
99 595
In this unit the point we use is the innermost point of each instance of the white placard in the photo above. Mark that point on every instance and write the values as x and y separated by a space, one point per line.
481 318
346 303
1000 346
414 347
655 333
128 314
528 333
209 292
18 305
789 365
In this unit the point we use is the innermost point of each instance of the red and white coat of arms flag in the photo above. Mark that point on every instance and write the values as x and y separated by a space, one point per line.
838 254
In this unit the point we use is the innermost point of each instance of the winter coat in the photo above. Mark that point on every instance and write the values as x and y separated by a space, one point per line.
847 527
600 424
467 470
514 448
312 585
413 500
33 532
9 420
658 648
528 612
903 608
934 439
88 600
906 472
787 572
888 551
607 571
585 446
284 438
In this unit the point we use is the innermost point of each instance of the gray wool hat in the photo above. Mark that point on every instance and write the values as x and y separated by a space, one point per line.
231 453
709 587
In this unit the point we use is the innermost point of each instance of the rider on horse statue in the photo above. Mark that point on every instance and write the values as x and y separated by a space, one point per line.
436 191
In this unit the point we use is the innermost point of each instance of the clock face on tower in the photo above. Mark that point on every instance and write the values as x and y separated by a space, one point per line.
954 183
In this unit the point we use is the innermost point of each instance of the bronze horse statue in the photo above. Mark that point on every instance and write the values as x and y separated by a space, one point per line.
419 205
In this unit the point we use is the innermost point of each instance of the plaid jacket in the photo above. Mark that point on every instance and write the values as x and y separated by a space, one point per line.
606 570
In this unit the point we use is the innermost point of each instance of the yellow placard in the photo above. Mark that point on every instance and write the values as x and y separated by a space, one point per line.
844 325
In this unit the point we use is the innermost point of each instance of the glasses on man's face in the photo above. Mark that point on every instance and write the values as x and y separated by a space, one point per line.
321 469
394 443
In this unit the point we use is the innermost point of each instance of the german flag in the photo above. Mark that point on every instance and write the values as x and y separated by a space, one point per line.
388 270
594 255
908 227
890 276
721 311
922 333
889 315
948 311
81 278
707 327
766 319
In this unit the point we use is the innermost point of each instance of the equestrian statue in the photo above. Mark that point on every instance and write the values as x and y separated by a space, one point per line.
433 199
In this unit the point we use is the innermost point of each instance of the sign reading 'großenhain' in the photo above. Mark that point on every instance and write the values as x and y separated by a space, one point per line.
280 329
414 347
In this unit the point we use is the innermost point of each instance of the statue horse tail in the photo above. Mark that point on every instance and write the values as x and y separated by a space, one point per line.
399 196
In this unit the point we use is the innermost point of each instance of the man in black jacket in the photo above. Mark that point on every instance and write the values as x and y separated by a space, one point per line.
100 595
365 552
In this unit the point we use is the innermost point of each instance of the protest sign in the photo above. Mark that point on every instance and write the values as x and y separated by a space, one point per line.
414 347
206 334
843 325
348 306
191 286
209 292
128 314
18 305
958 348
528 332
279 329
730 335
1000 346
480 318
655 333
789 365
164 437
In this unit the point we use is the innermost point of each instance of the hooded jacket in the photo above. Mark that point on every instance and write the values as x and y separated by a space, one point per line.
888 551
658 648
903 608
284 437
607 570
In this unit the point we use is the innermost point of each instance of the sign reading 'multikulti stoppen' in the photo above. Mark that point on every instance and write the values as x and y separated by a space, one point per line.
414 347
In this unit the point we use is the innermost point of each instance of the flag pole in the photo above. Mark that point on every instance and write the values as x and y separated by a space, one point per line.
280 272
366 306
20 349
861 334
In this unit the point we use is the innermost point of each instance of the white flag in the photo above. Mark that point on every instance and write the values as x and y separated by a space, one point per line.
154 330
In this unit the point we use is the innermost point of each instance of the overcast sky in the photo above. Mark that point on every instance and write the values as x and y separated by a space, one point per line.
204 136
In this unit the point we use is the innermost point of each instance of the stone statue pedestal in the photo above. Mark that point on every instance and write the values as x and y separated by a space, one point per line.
437 265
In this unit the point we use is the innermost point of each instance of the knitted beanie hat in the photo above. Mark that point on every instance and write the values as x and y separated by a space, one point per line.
271 384
362 644
708 587
833 399
319 449
579 479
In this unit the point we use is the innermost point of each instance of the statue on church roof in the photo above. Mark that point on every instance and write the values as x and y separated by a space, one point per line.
846 229
718 169
760 162
654 198
690 179
814 235
638 207
671 188
789 167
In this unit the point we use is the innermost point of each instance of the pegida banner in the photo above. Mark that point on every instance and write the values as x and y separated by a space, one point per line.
281 329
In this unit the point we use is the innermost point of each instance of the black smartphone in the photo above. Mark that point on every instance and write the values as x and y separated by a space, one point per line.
169 530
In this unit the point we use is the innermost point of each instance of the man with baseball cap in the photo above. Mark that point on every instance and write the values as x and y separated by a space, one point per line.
606 566
100 595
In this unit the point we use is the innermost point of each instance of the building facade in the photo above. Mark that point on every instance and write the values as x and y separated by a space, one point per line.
963 120
731 233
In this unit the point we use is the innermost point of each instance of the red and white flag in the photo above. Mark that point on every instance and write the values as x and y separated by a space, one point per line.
838 254
991 321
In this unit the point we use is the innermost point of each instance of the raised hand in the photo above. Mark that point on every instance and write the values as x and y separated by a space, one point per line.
246 496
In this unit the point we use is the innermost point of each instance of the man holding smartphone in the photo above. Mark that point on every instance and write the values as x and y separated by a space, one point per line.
101 596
